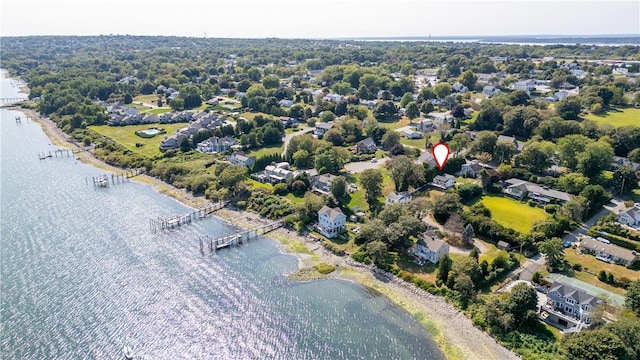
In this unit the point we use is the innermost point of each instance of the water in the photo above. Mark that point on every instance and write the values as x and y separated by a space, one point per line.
151 132
82 276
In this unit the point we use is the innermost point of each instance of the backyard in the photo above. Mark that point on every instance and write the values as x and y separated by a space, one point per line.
617 117
513 214
126 136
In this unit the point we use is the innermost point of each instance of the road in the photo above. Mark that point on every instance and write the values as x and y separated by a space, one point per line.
299 131
614 206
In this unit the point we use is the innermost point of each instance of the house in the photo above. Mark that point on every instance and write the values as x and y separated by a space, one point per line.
366 146
275 174
578 73
459 88
426 157
511 140
402 197
285 103
440 117
620 71
444 182
608 252
525 85
239 158
322 128
331 221
571 301
215 144
520 189
411 134
623 161
561 95
322 183
430 248
425 126
630 216
471 169
498 59
288 121
489 90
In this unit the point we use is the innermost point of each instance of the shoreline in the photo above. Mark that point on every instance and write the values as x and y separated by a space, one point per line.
452 331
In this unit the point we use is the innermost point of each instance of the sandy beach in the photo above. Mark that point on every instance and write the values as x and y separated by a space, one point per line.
449 327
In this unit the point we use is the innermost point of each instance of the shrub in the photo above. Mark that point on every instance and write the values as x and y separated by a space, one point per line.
324 268
536 277
624 282
602 276
280 189
577 267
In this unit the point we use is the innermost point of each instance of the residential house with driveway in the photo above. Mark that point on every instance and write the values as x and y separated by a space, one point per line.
426 126
331 221
322 183
216 144
490 90
574 305
471 169
366 146
608 252
623 161
402 197
521 189
430 248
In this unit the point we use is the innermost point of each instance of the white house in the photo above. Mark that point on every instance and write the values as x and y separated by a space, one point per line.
525 85
239 158
411 134
459 88
444 182
631 216
620 71
322 128
331 221
471 169
430 248
322 183
215 144
425 126
402 197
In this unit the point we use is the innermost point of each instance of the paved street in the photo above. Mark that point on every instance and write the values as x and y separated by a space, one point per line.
614 206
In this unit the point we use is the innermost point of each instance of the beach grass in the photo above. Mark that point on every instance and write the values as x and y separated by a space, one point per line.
126 136
513 214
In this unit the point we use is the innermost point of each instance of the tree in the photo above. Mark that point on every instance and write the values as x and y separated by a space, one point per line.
485 142
377 251
339 187
624 179
504 151
597 344
371 182
442 89
127 98
443 206
385 110
334 136
488 118
458 112
569 147
467 235
390 139
632 300
270 82
308 211
454 225
596 195
468 79
231 176
573 183
406 99
569 108
536 156
444 267
412 111
554 254
426 108
522 304
596 157
400 168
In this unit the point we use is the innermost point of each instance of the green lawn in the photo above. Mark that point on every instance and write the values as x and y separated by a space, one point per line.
157 111
394 125
151 98
618 117
513 214
416 143
266 150
125 136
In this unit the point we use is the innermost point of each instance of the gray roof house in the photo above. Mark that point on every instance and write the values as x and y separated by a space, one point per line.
608 252
430 248
444 182
366 146
322 128
402 197
520 189
574 305
471 169
240 158
630 216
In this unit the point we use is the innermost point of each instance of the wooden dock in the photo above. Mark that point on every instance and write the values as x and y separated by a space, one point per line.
102 181
239 237
176 221
58 153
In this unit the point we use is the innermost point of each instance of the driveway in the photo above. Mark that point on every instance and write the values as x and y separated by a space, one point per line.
360 166
614 206
299 131
530 266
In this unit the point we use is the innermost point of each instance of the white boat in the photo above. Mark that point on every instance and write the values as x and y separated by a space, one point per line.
128 352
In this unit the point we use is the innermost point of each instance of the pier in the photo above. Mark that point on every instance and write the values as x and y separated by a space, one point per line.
176 221
216 244
58 153
6 101
102 181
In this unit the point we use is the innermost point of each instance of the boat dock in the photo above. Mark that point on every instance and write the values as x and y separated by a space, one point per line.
239 237
102 181
57 153
176 221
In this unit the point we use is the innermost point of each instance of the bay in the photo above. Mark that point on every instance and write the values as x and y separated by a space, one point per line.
82 275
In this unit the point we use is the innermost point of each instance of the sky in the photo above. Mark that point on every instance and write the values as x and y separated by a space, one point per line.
318 18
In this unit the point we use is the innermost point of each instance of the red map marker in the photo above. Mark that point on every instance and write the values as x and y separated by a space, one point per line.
440 153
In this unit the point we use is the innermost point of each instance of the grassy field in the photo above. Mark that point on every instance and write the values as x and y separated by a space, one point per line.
394 125
593 265
618 117
151 98
416 143
513 214
266 150
125 135
157 111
